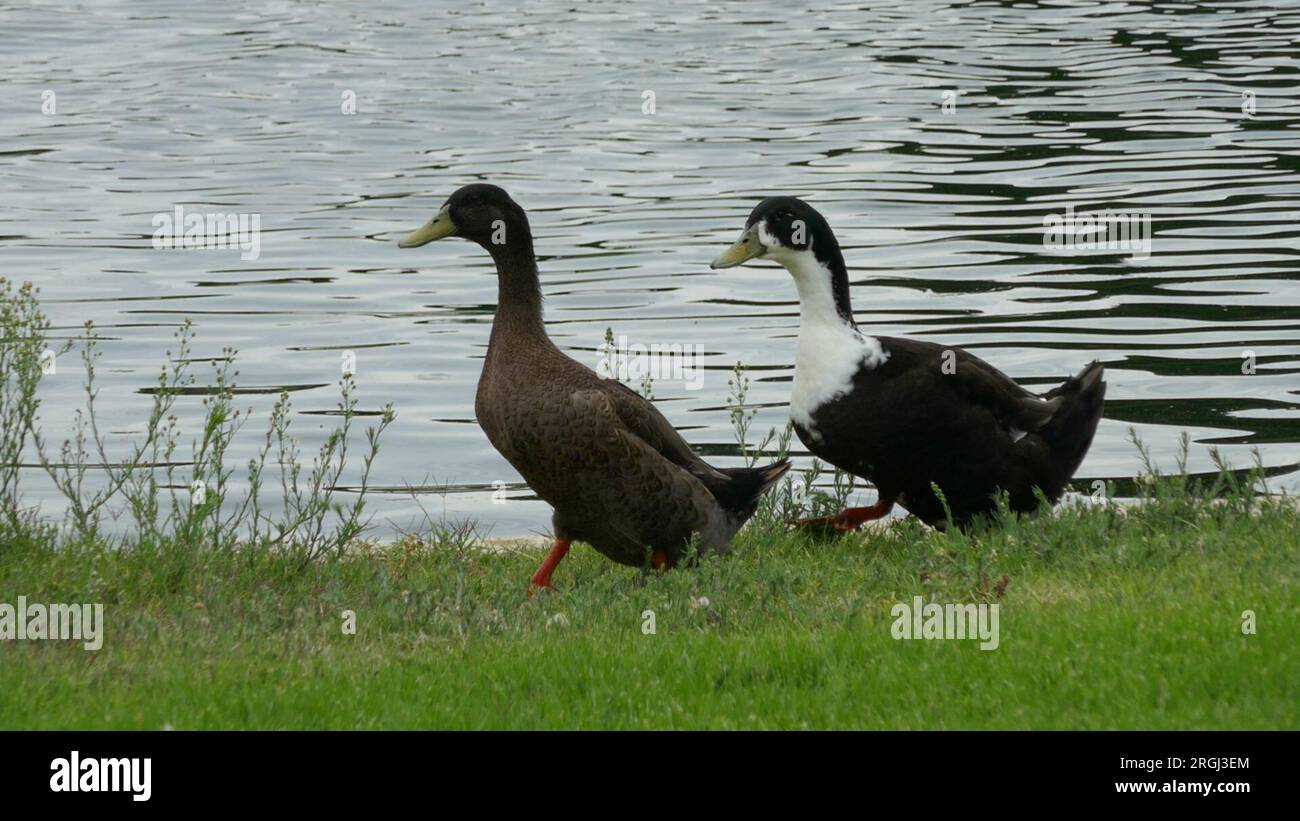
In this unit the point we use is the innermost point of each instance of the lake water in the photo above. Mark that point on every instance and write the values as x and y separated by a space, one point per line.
936 138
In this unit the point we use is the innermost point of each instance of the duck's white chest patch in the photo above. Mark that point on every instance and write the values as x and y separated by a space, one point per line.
831 350
827 358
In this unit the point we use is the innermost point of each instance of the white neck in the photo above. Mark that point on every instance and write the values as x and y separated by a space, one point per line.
830 350
814 280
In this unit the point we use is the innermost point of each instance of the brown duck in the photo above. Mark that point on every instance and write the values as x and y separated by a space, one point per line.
618 475
907 414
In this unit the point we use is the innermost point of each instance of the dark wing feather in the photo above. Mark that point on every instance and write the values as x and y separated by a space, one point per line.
644 420
625 489
979 383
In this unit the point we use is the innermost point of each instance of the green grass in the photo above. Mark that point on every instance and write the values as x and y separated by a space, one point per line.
1108 620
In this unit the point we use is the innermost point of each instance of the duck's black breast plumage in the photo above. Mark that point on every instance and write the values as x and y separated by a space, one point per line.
931 414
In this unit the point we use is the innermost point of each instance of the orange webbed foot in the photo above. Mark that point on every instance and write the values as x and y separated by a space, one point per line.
849 520
542 578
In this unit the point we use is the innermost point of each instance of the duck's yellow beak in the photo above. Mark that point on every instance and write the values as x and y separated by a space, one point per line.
742 250
435 229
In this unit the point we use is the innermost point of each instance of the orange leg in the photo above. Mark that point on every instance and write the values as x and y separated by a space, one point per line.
542 578
659 561
851 519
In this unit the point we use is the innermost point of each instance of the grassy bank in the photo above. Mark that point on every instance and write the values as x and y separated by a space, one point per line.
233 609
1108 620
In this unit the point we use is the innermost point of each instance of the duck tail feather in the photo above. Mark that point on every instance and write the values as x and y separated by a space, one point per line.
1070 430
768 476
740 488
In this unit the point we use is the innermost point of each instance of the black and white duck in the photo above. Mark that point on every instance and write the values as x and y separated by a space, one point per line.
617 474
906 414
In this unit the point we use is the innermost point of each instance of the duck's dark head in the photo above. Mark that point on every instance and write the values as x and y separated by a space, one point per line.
481 213
780 229
792 233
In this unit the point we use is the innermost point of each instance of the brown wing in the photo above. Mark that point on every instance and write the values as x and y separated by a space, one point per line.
609 486
644 420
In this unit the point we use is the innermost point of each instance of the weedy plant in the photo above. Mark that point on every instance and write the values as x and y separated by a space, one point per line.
166 503
201 510
23 330
612 355
811 492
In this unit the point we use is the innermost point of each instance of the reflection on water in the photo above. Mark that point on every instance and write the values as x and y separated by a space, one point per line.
935 137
